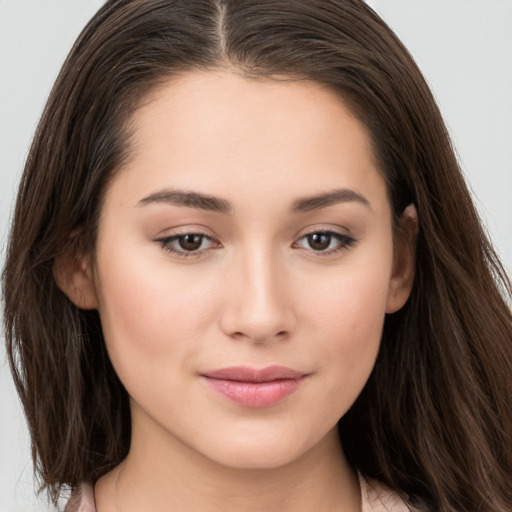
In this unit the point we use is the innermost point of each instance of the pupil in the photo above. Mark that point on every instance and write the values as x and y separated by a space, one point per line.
190 242
319 241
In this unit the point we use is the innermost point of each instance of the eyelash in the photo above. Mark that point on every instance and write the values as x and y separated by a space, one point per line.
167 242
345 242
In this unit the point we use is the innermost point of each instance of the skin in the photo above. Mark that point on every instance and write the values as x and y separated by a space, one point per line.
256 293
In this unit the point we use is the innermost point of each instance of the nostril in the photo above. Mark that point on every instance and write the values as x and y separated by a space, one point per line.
260 337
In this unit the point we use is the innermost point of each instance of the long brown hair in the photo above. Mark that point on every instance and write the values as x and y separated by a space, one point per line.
434 421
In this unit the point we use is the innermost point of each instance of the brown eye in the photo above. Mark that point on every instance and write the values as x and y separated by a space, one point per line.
190 242
319 241
325 243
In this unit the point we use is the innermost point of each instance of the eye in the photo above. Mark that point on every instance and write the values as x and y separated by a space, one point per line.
187 244
327 242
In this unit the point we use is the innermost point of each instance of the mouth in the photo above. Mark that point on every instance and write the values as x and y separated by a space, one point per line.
252 387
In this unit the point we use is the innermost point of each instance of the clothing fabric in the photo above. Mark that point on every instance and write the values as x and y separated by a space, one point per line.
81 500
375 497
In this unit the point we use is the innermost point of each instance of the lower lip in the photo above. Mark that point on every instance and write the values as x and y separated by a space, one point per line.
255 394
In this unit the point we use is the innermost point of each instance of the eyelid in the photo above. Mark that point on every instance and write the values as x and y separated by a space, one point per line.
346 240
316 227
185 229
171 236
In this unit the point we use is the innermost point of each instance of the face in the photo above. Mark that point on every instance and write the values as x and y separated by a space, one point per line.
244 267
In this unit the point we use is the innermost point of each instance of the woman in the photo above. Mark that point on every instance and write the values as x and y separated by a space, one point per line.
248 275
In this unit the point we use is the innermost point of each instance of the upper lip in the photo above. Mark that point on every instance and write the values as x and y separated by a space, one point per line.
249 374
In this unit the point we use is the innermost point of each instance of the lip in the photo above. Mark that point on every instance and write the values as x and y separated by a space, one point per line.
255 387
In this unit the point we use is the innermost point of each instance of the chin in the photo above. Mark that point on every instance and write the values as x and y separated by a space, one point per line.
270 450
256 459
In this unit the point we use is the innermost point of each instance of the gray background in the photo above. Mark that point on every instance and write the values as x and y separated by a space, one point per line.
463 46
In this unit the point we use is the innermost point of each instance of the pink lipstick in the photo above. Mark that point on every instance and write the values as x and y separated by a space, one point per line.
252 387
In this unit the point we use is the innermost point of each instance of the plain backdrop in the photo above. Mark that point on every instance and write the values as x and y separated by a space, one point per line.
464 47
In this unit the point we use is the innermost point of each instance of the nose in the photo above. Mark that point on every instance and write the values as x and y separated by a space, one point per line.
258 305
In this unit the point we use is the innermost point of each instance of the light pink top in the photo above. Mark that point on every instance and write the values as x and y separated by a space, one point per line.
375 497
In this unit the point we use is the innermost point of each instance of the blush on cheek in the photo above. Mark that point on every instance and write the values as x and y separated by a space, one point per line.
149 311
352 316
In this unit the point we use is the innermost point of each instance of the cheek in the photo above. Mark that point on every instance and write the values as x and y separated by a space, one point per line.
353 326
151 314
347 323
350 302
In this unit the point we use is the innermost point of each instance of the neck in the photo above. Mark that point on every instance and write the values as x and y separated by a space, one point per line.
165 474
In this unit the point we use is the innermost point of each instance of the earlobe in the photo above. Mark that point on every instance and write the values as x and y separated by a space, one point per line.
402 278
74 276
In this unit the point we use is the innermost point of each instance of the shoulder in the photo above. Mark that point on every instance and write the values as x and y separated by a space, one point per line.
81 500
376 497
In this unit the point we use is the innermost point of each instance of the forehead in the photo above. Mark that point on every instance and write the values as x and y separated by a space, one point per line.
217 130
211 100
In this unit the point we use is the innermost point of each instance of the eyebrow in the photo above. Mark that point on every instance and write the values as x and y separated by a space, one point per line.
218 205
189 199
323 200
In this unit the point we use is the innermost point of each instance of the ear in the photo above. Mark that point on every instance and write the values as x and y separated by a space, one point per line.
74 276
402 277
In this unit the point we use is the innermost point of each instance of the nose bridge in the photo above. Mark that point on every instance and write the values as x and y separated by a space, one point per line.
258 305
